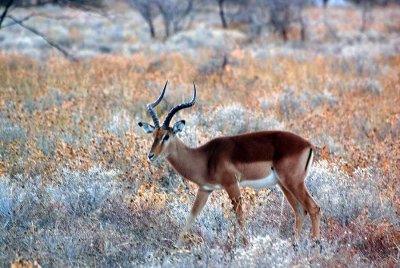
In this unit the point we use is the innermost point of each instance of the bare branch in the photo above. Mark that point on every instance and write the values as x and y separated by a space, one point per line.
4 14
100 10
42 15
50 42
21 20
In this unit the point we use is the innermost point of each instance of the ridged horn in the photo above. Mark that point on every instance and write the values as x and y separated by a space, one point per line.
151 106
174 110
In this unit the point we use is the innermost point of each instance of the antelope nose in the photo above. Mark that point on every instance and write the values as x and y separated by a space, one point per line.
151 156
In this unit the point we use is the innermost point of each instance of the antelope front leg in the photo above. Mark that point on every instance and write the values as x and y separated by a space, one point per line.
236 199
201 200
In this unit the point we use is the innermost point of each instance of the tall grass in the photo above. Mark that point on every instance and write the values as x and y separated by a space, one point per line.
76 189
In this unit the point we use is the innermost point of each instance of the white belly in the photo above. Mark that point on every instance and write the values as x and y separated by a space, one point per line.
211 187
266 182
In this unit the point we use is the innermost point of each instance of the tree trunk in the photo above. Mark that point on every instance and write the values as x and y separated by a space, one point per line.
222 13
302 30
6 8
364 15
167 19
167 25
151 27
303 33
284 34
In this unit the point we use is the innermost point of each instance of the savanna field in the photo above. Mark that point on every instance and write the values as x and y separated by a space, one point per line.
77 190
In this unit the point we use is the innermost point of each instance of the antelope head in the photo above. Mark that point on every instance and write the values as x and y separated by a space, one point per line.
164 135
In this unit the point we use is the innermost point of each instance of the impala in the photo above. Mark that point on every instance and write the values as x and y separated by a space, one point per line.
256 159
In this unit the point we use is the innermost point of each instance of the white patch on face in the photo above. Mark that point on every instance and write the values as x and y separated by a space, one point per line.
163 138
266 182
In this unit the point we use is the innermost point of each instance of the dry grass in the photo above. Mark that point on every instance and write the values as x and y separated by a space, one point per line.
76 189
62 117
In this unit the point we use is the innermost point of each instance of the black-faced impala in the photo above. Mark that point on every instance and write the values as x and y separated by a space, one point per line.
256 159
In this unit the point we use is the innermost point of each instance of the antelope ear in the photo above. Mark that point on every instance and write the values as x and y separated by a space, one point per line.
178 126
146 127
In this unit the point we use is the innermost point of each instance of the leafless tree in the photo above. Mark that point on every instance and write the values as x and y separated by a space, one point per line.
9 4
280 15
284 13
366 14
44 37
222 13
148 9
173 13
365 10
241 4
83 4
331 30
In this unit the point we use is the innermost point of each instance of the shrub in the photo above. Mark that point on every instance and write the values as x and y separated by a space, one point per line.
369 86
235 119
263 252
10 132
344 197
289 104
119 124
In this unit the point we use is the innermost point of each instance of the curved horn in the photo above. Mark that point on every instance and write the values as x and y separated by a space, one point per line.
150 107
174 110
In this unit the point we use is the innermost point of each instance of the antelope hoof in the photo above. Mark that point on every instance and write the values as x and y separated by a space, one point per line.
318 245
245 241
295 247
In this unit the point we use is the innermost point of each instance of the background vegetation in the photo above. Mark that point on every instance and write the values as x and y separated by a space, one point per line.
75 186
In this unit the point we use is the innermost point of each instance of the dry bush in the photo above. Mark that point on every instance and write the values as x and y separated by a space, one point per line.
76 189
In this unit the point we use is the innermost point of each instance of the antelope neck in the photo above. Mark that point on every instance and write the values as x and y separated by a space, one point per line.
188 162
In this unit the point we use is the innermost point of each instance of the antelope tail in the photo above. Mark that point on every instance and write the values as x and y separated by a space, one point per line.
309 159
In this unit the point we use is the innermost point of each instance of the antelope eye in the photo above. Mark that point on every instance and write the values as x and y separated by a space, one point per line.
166 137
